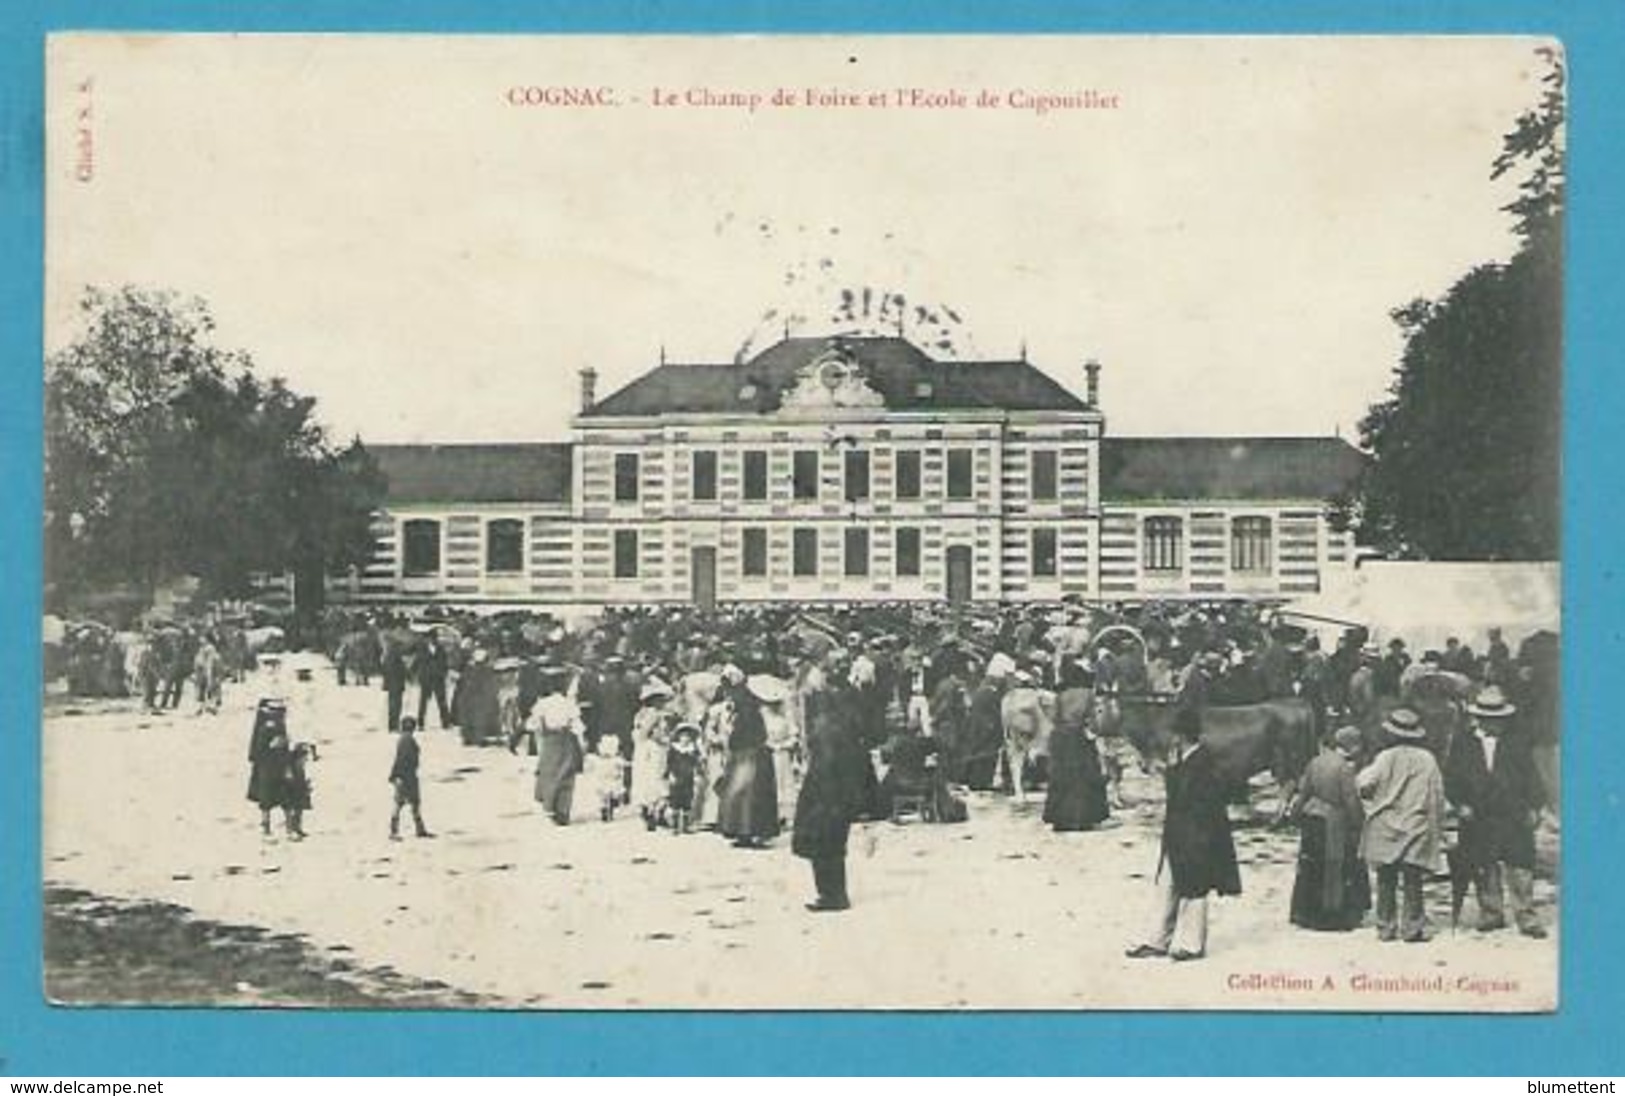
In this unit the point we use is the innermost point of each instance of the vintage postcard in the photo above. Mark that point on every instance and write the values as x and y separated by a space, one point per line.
741 522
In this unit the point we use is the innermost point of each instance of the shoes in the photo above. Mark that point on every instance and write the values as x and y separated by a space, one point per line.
1491 924
828 905
1387 934
1145 951
1186 956
394 837
1533 930
425 833
1418 936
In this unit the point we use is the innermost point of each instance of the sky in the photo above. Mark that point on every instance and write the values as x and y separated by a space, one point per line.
1225 224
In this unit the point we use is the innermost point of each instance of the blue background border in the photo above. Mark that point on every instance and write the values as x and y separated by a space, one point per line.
1584 1037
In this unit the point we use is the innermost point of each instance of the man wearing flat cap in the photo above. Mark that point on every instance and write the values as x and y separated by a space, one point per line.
1490 777
1404 824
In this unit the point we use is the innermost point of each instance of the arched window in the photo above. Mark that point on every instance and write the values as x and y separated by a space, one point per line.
505 546
420 547
1250 545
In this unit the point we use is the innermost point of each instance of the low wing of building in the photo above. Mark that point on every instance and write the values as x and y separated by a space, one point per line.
850 469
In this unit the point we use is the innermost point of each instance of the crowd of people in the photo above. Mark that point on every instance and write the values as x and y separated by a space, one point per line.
752 721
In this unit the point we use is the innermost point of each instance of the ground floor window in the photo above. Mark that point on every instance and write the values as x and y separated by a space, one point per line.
626 553
420 548
805 555
908 553
1044 553
753 553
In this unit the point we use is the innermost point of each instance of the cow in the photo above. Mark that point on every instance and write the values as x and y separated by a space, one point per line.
1028 716
1276 736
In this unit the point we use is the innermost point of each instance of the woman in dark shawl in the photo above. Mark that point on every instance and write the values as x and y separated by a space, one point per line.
1077 790
1332 891
749 808
268 759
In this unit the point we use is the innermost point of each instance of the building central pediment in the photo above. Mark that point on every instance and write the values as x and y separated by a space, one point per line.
831 380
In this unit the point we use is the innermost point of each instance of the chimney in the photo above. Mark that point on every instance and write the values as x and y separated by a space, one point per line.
1092 368
589 382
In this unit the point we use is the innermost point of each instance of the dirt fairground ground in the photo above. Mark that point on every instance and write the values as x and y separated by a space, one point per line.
162 890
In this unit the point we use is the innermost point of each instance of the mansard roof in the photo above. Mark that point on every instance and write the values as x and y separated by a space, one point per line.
906 377
1151 469
484 473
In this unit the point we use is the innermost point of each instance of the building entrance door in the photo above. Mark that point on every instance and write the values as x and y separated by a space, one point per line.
959 574
703 577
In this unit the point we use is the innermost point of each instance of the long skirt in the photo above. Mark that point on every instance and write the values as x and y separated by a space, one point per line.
749 805
1077 789
1332 890
558 761
648 773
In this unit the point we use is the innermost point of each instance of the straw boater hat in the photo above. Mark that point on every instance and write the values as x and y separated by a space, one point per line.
653 689
767 688
1406 724
1491 703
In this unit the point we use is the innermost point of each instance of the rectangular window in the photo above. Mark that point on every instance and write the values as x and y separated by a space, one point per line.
960 479
753 560
1044 553
1250 545
626 477
1163 540
908 553
908 473
805 561
420 547
504 546
704 479
806 473
626 553
1045 478
857 553
755 474
857 476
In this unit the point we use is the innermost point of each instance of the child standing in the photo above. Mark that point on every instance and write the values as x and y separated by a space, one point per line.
685 769
403 775
606 776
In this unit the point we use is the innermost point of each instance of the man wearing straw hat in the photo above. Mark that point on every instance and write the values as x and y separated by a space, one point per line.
1404 824
1490 777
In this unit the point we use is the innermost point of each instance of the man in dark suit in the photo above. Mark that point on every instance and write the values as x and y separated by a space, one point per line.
432 670
1490 778
394 675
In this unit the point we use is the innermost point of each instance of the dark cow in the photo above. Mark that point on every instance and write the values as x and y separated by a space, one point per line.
1277 737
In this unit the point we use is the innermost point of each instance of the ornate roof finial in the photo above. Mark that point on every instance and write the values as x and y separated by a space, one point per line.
662 353
1024 348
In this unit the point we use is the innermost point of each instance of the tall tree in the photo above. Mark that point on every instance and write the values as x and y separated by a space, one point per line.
1466 450
166 455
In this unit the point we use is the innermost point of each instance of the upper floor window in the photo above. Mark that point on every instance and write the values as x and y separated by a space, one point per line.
704 478
755 474
1044 554
1250 545
420 547
908 473
1045 477
504 546
626 553
857 476
626 477
960 478
805 473
1163 544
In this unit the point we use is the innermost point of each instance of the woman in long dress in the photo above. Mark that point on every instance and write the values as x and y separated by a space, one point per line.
560 736
1332 891
651 738
748 811
268 756
1076 799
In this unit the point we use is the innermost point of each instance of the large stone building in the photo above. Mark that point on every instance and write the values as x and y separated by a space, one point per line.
847 469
